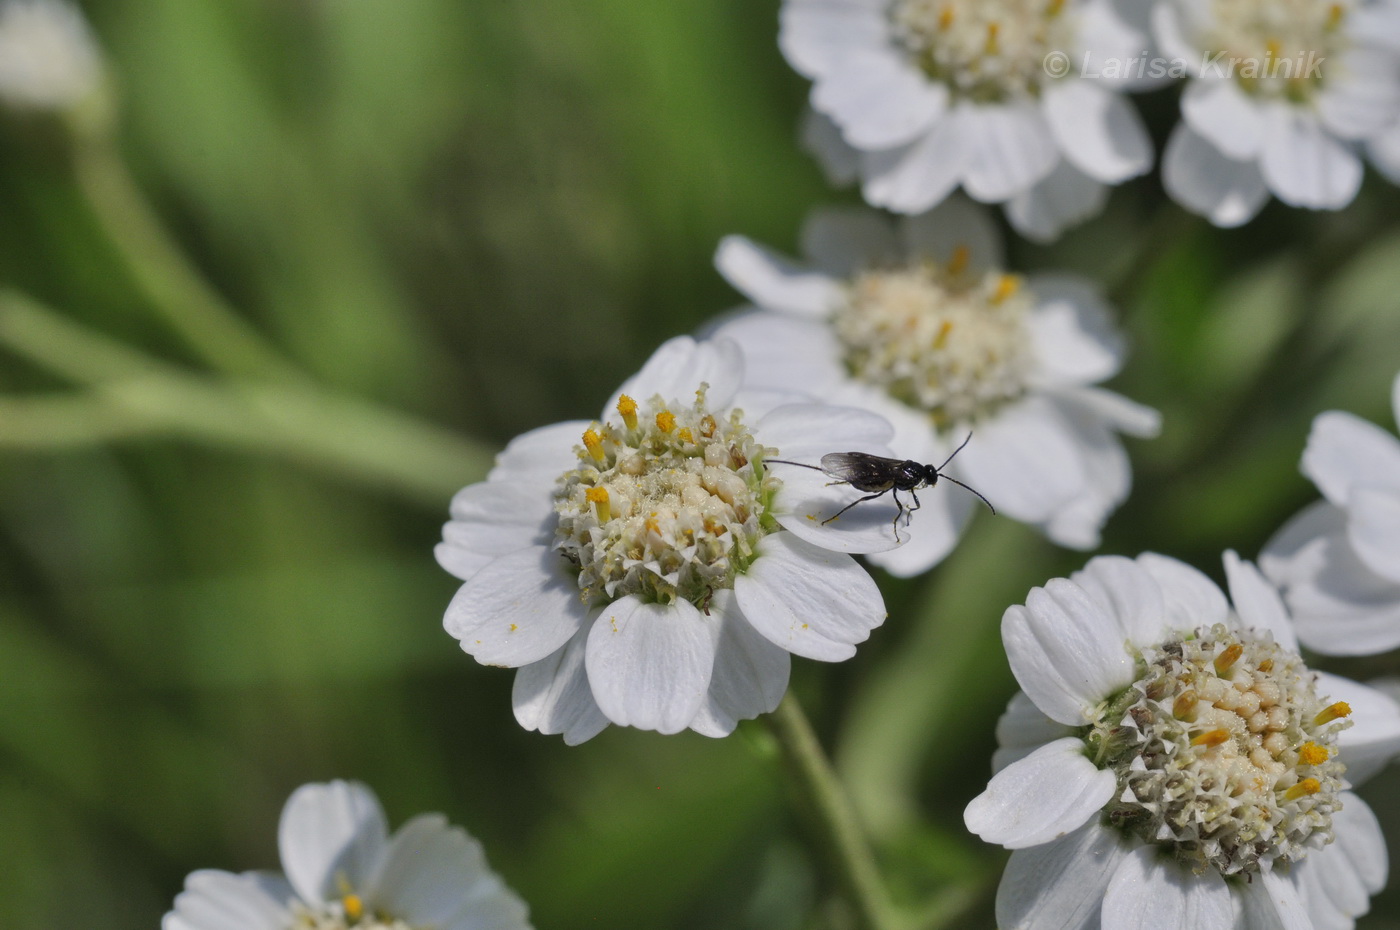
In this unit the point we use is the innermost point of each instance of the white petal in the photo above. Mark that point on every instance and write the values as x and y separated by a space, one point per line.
1060 885
553 694
1173 34
1346 452
1361 843
493 518
811 602
843 241
1361 98
518 609
431 871
814 37
1150 891
1098 130
1373 739
330 833
750 675
1304 165
1130 594
1295 553
821 138
775 282
1066 197
1010 148
1117 412
1258 602
1203 180
934 529
1220 112
955 225
540 455
1072 332
879 98
1026 460
1066 651
214 900
1022 729
677 369
650 664
1190 598
798 429
918 176
1272 901
1374 531
1108 476
1048 794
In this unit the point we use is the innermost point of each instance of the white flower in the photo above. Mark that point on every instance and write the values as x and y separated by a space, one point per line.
917 322
48 57
1282 95
1338 561
647 569
1172 763
925 95
343 870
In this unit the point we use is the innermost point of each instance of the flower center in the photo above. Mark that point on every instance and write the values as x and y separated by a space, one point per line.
668 505
985 50
1224 753
1275 48
938 338
346 914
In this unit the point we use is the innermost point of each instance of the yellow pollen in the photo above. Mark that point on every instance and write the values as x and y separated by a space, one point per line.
1055 8
1272 48
1305 787
1313 754
941 339
993 29
628 408
594 444
1334 15
1266 666
1227 659
945 18
1211 738
1184 707
354 907
685 434
958 263
598 497
1007 286
1334 712
665 421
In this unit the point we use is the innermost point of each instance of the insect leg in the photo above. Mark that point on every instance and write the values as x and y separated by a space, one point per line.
909 514
860 500
897 514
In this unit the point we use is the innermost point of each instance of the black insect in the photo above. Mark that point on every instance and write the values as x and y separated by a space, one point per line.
880 476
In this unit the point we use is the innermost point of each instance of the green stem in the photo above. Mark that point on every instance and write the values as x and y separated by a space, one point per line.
835 818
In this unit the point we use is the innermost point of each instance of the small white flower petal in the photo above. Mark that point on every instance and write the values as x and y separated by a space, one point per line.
1098 130
1190 598
821 138
1131 595
677 369
781 350
1059 885
490 519
797 429
1373 739
1108 476
932 533
1010 149
1223 115
1198 176
329 834
1374 530
1346 452
553 694
1151 891
1296 552
1304 164
1072 332
1258 602
215 900
1048 794
954 225
775 282
1022 729
1361 99
815 36
810 601
1272 901
517 609
842 241
650 664
1338 880
1117 411
750 675
916 177
539 456
1361 843
1026 460
879 98
1066 650
1066 197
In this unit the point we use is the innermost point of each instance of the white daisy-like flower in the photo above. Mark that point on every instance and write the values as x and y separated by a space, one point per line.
917 321
1171 762
1338 561
1282 96
647 569
919 97
48 57
343 871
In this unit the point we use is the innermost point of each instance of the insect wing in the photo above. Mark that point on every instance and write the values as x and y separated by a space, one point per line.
861 469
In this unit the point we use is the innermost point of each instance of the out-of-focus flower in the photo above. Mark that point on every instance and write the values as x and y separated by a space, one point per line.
919 97
48 57
1338 561
647 569
919 322
1282 97
1171 762
342 870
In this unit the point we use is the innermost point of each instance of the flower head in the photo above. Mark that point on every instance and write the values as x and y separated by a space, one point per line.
1171 760
343 871
921 323
1338 561
919 97
48 58
650 569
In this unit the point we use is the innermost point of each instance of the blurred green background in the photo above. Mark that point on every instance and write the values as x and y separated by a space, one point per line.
465 220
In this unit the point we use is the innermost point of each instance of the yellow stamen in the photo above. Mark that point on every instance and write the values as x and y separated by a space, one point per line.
1227 658
1055 8
685 434
957 264
665 421
993 29
945 18
708 426
1266 666
1184 707
1313 754
1334 712
941 339
1305 787
1334 15
1211 738
1007 286
598 497
628 408
594 444
1272 48
354 907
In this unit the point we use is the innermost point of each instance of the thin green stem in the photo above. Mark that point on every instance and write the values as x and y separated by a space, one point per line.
835 820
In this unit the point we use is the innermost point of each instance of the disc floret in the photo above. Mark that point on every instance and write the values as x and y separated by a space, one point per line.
349 913
1277 48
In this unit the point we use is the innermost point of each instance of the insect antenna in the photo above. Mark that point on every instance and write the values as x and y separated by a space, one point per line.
973 490
798 464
